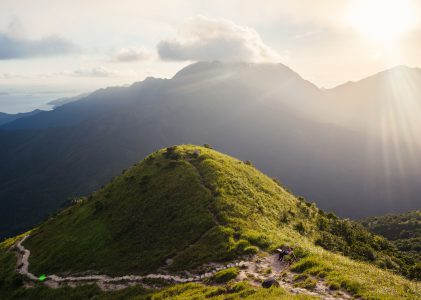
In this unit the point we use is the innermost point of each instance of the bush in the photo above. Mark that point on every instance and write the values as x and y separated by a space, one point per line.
99 205
257 239
303 265
415 272
334 286
248 162
332 216
242 244
251 250
350 286
284 218
300 252
300 277
362 251
224 275
300 227
170 153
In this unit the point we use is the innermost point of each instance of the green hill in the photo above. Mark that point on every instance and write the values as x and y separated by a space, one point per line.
404 230
185 206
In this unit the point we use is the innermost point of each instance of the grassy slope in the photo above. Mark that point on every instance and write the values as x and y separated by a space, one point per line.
212 207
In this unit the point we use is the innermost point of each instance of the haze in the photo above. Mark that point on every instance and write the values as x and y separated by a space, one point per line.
65 48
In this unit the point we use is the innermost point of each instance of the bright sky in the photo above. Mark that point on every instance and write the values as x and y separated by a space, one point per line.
64 47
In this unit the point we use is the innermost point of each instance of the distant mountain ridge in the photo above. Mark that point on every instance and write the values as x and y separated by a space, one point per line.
8 118
260 112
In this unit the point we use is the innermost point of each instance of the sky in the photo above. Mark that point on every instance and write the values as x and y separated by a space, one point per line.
53 49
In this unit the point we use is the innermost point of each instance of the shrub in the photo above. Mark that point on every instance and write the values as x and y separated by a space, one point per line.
322 223
331 216
224 275
248 162
284 218
303 265
242 244
170 153
303 280
334 286
300 227
300 277
415 272
351 286
208 146
251 250
362 251
99 205
301 252
257 239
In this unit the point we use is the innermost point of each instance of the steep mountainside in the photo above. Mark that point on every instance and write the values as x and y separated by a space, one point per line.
263 113
187 207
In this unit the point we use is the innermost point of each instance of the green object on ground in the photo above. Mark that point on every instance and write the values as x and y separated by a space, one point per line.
42 277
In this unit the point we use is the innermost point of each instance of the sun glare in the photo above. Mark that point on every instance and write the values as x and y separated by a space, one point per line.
382 20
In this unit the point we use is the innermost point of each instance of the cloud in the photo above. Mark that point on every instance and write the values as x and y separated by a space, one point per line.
132 54
206 39
10 75
91 72
14 45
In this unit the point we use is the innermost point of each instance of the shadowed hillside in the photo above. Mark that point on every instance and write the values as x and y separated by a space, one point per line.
265 113
187 206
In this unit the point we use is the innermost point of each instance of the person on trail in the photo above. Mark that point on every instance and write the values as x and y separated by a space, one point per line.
284 252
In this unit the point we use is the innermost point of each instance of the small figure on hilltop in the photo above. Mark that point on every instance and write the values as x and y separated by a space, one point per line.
284 251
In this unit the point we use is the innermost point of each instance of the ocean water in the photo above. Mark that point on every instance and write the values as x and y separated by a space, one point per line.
15 101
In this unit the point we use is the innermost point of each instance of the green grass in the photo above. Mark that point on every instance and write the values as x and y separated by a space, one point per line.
11 288
195 205
235 291
224 275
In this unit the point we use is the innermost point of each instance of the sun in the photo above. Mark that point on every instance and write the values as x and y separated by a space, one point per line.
382 20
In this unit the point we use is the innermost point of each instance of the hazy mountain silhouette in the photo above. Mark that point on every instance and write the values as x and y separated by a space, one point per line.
265 113
7 118
61 101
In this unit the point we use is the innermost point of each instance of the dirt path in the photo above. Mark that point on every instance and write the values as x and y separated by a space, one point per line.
104 281
260 269
254 270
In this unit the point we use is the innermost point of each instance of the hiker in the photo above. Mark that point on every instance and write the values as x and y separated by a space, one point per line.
285 251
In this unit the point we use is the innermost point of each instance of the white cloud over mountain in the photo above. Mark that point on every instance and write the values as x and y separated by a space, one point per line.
91 72
206 39
132 54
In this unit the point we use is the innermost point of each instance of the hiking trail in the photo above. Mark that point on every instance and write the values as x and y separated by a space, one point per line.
253 270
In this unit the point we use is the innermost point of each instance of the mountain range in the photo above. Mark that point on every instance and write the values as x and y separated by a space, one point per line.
343 148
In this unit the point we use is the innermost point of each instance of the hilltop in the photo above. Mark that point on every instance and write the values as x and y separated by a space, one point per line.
184 210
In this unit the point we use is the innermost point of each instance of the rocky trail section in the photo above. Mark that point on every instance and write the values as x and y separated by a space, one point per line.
259 269
254 270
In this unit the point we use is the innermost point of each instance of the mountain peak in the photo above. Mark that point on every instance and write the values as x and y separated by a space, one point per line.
204 67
